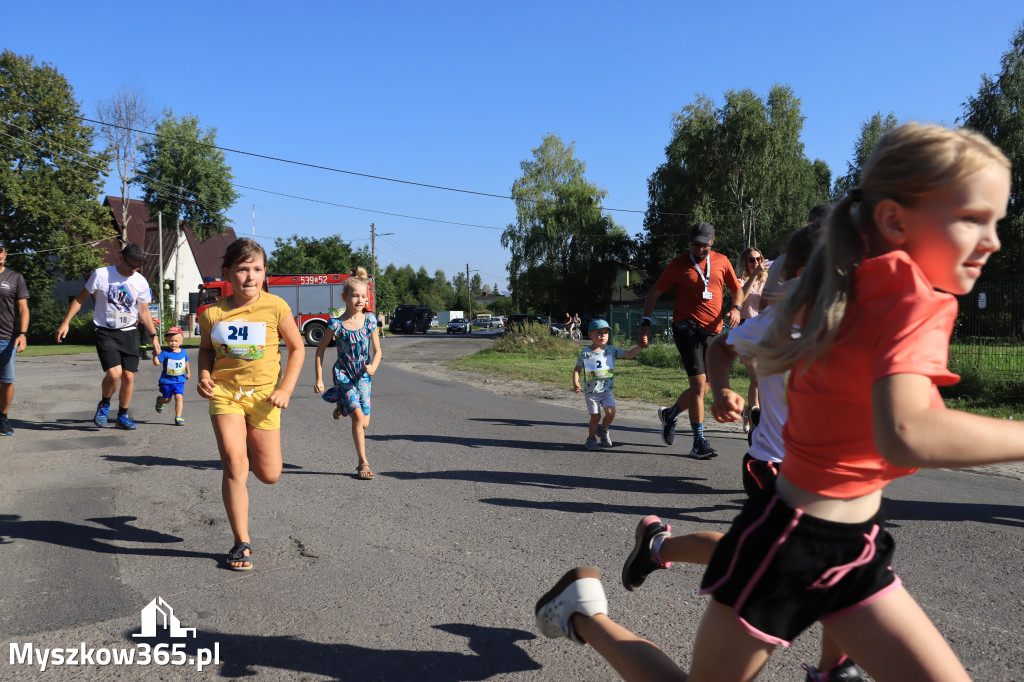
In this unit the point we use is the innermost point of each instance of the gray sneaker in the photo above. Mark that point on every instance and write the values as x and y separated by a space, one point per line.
592 444
604 438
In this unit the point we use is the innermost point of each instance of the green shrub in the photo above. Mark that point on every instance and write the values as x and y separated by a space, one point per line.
535 339
46 314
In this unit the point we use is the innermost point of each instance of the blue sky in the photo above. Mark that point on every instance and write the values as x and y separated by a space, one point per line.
458 93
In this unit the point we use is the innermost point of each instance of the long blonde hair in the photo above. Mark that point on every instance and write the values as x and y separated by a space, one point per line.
744 267
910 161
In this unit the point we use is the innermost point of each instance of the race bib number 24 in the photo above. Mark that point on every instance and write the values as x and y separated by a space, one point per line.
240 339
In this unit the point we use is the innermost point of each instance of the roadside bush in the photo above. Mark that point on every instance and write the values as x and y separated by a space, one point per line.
534 339
46 314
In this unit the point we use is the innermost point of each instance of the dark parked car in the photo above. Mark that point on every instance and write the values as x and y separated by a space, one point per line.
409 319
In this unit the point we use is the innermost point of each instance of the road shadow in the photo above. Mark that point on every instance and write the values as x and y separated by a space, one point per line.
690 514
979 512
153 461
494 652
476 442
58 425
678 485
531 423
94 538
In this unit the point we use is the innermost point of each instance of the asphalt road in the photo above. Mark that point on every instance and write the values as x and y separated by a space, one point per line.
431 570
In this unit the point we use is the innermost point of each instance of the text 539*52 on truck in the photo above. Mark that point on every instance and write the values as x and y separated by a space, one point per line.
311 298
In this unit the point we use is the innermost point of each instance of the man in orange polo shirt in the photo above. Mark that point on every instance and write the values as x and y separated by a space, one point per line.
700 278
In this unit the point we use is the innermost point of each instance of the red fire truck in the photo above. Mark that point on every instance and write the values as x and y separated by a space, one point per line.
310 297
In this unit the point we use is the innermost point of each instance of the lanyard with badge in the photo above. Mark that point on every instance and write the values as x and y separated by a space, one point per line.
705 276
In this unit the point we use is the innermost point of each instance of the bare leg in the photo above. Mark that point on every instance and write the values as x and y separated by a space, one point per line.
595 419
110 381
694 548
698 387
264 453
893 639
6 397
634 658
724 651
179 402
360 422
609 416
124 397
831 653
230 430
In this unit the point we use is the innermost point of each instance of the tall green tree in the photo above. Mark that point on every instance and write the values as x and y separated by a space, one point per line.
997 111
563 247
739 166
184 175
871 132
310 255
50 176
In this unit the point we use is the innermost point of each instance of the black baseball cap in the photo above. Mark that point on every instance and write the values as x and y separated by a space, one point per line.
702 232
133 251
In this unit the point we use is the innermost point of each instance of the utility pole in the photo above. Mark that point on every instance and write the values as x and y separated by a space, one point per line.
160 265
373 257
469 294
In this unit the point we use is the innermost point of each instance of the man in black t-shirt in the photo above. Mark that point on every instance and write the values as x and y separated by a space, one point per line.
13 294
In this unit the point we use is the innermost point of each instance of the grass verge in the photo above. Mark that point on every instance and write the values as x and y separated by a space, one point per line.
655 376
37 350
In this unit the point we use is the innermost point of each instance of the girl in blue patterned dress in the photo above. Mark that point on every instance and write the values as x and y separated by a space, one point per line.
355 332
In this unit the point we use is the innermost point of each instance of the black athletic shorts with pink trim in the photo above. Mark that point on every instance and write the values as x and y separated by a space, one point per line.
780 570
758 475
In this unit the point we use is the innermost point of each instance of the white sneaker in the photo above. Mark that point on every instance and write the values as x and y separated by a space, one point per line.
578 591
604 438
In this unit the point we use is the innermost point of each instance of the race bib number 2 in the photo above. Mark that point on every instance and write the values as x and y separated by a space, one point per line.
599 367
240 339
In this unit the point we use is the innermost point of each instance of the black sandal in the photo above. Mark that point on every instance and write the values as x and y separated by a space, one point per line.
238 554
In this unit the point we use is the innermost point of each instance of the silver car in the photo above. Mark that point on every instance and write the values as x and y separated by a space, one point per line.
459 325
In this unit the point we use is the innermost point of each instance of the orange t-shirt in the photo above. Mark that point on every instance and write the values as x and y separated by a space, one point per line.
896 324
690 303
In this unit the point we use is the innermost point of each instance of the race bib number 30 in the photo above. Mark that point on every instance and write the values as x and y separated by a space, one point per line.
599 367
240 339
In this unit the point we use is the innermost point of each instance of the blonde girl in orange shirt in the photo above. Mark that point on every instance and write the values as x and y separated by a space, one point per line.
875 331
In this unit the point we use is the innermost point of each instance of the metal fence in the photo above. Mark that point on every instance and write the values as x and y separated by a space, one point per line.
989 334
988 337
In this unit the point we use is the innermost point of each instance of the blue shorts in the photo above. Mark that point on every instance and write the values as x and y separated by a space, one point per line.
349 396
168 389
7 356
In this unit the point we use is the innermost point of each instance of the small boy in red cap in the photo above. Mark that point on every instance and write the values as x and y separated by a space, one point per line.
176 371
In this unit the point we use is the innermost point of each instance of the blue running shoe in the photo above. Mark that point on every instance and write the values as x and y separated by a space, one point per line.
668 426
102 412
125 422
178 421
159 405
702 450
5 428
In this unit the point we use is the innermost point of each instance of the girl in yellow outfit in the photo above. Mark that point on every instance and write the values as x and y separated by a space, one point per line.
240 374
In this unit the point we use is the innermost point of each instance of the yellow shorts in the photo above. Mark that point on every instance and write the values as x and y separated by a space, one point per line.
251 401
